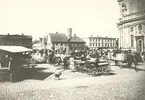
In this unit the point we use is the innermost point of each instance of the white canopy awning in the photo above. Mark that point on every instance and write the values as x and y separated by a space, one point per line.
38 46
15 49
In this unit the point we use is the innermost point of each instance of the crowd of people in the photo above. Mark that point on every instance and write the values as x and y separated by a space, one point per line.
53 57
59 56
68 58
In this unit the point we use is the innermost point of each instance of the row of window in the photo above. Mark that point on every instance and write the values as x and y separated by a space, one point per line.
104 40
139 28
78 45
56 44
99 44
59 44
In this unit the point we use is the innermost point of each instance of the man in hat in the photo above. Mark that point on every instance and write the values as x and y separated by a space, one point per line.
130 58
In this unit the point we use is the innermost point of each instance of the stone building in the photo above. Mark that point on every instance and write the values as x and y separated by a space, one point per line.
102 42
131 24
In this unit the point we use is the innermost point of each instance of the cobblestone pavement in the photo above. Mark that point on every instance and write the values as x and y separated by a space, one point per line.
124 89
126 84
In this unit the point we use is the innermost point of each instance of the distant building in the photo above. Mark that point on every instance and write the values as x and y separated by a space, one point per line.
102 42
39 44
61 41
16 40
57 41
76 43
131 24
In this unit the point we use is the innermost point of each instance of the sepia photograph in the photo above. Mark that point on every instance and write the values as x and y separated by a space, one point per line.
72 49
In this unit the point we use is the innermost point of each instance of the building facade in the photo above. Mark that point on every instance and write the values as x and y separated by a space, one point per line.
59 41
56 41
16 40
131 25
102 42
76 43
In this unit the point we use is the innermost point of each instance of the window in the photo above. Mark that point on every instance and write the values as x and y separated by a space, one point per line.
109 41
139 28
132 42
131 29
124 9
90 44
93 44
111 44
96 44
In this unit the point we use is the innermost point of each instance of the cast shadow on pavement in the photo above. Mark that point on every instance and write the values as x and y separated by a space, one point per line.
61 78
137 69
106 74
34 73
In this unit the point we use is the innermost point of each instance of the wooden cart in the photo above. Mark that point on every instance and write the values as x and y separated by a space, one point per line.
11 61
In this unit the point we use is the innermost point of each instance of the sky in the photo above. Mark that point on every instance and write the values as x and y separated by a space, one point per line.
40 17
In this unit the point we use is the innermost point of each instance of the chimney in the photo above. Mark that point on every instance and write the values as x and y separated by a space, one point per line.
22 34
8 33
69 30
56 32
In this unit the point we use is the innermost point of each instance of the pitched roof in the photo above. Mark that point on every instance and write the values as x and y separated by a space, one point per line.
76 39
58 37
16 36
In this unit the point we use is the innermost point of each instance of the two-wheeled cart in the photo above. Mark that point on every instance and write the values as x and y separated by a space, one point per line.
121 60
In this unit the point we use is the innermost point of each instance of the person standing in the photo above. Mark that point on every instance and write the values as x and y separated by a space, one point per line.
5 61
130 58
143 54
71 60
135 60
66 63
